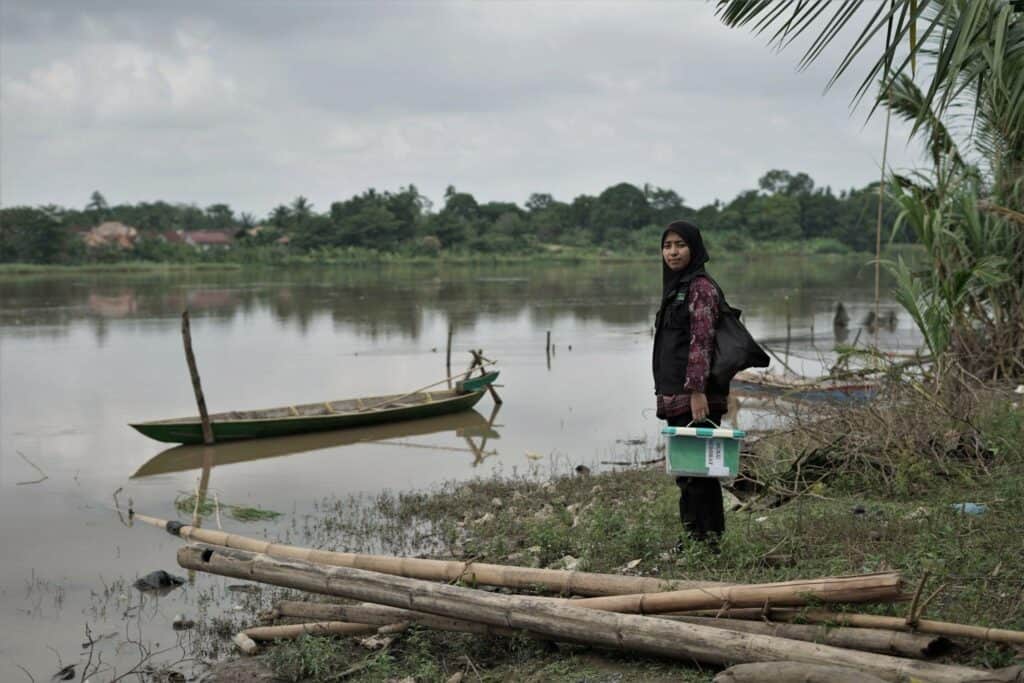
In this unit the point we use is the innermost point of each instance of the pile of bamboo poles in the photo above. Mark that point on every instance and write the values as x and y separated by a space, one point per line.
711 623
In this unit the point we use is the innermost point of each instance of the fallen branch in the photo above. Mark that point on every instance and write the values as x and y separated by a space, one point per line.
117 506
638 463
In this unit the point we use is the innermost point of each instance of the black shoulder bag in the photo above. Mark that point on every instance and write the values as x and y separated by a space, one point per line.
735 349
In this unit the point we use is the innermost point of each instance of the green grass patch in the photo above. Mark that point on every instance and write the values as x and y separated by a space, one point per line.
250 514
185 503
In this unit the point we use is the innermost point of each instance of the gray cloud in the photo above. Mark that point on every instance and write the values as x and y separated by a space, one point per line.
255 103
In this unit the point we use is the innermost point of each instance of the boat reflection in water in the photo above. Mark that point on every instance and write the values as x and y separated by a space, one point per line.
469 425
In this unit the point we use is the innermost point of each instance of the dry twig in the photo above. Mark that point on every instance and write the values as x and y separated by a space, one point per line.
43 478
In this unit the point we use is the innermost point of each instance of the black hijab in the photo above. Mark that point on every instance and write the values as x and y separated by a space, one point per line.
672 280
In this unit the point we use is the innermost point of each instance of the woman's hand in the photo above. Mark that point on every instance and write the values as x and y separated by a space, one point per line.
698 406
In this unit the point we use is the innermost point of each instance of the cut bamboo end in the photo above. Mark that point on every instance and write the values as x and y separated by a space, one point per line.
244 643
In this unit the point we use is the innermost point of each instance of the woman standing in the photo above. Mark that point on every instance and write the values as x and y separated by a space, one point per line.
683 343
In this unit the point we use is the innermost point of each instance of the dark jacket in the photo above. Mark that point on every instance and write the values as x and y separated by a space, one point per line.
672 345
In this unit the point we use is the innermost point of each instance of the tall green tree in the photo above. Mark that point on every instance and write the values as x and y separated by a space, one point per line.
459 220
97 207
220 217
29 235
376 227
301 209
665 205
539 201
280 216
622 207
550 220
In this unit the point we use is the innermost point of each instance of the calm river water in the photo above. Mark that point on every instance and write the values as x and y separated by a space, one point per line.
82 356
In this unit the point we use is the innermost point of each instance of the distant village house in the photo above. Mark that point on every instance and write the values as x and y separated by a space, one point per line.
207 239
200 239
112 233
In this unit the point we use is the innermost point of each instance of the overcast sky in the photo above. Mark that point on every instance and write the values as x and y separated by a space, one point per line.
253 103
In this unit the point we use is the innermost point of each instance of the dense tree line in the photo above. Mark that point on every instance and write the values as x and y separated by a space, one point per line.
624 218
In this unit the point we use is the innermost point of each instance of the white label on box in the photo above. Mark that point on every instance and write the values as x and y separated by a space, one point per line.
714 457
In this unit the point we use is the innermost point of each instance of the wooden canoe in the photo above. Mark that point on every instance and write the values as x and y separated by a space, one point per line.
315 417
759 384
466 424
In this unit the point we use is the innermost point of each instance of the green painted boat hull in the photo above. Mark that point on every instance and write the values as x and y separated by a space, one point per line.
189 430
180 458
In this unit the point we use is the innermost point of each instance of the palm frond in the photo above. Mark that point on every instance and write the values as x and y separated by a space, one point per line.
959 29
907 101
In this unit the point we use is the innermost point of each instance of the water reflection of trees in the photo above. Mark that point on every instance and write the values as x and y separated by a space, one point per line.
394 300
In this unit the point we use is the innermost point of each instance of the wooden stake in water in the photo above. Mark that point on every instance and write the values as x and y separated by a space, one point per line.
448 354
197 387
789 327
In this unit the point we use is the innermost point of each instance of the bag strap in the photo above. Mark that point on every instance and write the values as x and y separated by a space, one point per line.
723 305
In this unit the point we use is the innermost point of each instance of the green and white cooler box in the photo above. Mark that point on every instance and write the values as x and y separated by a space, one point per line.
703 451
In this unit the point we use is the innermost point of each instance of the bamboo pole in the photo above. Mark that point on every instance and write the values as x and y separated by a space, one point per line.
193 371
883 587
554 580
883 641
793 672
320 628
941 628
368 613
914 645
560 620
392 399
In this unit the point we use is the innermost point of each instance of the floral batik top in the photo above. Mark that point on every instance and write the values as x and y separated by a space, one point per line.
703 306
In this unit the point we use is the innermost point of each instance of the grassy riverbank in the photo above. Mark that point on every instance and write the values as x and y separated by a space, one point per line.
32 269
726 249
626 521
